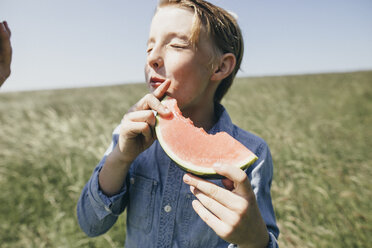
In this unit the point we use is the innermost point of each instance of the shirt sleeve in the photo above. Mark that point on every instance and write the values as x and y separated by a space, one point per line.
272 242
97 212
260 175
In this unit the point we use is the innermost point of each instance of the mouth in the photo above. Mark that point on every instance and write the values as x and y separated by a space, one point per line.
156 81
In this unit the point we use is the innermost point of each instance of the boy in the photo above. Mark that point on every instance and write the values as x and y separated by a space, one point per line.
194 51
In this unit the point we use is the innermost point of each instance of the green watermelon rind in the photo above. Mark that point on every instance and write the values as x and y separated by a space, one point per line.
195 169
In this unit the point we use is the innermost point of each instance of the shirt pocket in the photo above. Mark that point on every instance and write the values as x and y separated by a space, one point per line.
194 232
141 202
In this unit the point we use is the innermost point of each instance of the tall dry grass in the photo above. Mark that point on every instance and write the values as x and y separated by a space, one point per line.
317 126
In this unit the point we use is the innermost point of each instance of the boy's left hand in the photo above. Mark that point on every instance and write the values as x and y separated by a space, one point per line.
233 212
5 51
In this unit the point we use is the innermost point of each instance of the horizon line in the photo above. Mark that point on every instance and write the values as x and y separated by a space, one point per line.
106 84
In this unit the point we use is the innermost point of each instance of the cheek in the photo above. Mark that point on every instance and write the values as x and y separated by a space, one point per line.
180 61
146 71
183 70
186 72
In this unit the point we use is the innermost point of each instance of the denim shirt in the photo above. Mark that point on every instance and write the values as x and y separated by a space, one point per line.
158 202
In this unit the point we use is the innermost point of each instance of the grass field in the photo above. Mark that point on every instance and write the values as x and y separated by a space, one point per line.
319 129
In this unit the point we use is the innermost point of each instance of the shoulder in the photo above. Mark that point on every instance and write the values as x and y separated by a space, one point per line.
264 163
253 142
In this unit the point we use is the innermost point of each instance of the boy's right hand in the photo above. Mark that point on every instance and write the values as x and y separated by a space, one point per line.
137 126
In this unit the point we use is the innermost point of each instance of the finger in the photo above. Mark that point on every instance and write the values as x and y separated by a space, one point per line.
242 186
151 102
160 91
148 134
155 104
229 185
141 116
5 47
221 228
223 213
7 28
221 195
134 129
4 32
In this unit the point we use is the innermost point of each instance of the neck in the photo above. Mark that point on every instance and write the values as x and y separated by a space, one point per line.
202 117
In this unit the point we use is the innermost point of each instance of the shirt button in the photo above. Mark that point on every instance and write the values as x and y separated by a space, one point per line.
131 180
107 209
167 208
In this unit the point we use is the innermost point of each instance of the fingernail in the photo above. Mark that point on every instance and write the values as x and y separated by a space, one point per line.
192 189
167 111
186 178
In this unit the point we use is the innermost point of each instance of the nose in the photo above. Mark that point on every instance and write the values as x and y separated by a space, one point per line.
155 58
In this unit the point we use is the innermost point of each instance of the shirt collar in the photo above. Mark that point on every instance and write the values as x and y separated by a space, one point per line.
223 123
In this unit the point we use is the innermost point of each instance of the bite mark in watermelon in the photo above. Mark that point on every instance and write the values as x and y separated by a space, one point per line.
196 151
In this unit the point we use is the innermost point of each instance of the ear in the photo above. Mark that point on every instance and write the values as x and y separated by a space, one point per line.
226 65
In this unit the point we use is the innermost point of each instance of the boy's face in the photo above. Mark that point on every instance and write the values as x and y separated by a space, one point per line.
171 56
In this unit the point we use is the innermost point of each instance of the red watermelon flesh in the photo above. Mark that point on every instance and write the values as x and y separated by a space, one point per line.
193 149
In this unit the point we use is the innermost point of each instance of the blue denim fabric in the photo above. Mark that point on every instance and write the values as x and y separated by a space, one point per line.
158 203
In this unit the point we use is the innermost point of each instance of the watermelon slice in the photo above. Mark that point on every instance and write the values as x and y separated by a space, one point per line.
196 151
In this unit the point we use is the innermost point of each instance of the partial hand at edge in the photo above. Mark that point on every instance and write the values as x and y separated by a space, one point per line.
5 51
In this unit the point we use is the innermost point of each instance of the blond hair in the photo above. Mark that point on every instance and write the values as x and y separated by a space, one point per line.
221 27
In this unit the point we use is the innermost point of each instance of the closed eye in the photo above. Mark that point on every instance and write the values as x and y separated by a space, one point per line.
179 46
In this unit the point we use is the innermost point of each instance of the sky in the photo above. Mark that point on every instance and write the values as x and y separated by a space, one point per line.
81 43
